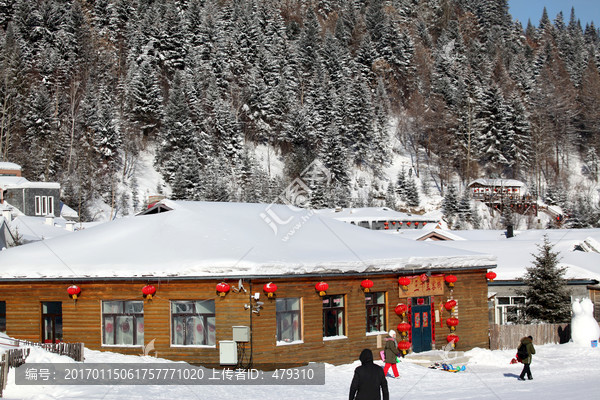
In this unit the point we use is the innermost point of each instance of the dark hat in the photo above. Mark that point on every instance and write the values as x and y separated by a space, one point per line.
530 337
366 356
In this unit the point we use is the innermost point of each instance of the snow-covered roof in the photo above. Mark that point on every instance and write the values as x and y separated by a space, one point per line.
198 239
17 182
515 254
497 182
371 214
9 166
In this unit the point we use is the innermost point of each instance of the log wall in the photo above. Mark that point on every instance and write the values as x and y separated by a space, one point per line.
82 318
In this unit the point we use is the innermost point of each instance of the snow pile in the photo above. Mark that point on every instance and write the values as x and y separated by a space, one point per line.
560 372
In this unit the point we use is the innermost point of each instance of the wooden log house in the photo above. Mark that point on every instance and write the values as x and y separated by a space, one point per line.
185 251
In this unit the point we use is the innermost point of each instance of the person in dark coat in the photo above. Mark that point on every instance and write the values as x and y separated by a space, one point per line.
369 380
528 343
391 353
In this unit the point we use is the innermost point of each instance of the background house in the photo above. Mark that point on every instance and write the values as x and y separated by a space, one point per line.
31 198
379 218
189 248
579 252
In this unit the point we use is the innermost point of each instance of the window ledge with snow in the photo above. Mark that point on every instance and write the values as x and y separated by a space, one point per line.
134 346
376 333
328 338
195 346
284 343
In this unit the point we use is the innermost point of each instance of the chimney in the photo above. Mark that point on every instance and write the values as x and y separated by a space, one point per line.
7 215
70 226
50 220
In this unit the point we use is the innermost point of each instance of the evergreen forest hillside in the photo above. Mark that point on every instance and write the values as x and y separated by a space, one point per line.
456 87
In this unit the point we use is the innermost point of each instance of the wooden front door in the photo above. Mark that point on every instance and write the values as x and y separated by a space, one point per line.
51 321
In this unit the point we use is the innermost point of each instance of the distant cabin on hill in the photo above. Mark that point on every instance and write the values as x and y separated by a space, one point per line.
31 198
500 193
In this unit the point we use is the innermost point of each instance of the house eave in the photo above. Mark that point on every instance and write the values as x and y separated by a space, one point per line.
406 271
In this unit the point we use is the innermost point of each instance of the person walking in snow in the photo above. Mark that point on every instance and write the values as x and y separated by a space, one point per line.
391 353
527 342
369 380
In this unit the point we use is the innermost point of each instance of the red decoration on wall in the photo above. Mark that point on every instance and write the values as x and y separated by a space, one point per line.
450 279
223 288
404 346
403 328
401 309
270 289
452 339
322 287
452 323
491 276
73 291
424 277
367 284
148 291
450 304
404 282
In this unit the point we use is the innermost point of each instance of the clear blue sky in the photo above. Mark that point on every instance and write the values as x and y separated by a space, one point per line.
585 10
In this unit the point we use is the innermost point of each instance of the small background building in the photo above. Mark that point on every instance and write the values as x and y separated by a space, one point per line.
31 198
378 218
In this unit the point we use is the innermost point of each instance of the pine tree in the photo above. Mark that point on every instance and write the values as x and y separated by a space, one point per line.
450 203
547 296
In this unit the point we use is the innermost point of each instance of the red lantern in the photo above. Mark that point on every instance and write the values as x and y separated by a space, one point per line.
222 289
452 339
424 223
74 291
403 327
404 346
408 223
270 289
416 224
401 309
404 282
148 291
452 323
386 225
367 284
450 304
322 288
491 276
450 279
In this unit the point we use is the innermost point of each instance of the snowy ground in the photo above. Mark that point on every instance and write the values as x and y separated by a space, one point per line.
560 372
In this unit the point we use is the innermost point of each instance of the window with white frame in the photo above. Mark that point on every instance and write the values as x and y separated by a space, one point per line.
193 323
288 315
509 309
123 323
44 205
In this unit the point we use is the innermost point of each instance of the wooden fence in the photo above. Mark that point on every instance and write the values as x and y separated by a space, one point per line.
509 336
14 358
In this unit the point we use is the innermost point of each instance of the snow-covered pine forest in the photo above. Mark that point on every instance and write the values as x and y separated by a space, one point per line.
209 88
